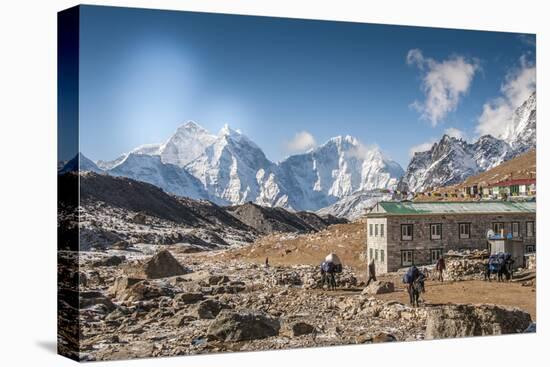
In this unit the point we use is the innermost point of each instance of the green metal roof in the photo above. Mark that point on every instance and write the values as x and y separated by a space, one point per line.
453 207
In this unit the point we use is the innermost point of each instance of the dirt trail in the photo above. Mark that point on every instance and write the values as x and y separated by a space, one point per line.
474 291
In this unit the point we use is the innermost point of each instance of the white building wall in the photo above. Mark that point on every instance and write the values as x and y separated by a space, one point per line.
377 240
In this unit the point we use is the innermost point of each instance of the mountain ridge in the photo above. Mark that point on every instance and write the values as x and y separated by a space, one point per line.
230 169
451 160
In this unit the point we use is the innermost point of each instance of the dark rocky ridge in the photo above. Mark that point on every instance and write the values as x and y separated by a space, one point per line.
268 220
115 209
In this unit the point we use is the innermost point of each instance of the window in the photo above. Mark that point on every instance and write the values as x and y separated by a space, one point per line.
498 227
376 229
406 258
530 248
435 231
370 229
382 256
370 254
381 230
515 229
376 255
436 253
406 232
464 230
530 229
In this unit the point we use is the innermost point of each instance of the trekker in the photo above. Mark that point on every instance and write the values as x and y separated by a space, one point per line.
440 267
266 262
327 275
372 272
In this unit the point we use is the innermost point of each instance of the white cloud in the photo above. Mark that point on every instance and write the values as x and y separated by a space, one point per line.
455 133
423 147
497 115
443 83
301 142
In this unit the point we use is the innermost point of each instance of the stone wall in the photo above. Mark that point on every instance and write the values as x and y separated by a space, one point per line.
422 244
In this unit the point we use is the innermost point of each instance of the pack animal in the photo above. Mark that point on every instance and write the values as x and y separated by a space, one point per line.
414 279
499 264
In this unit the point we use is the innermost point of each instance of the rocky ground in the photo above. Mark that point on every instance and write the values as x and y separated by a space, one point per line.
143 303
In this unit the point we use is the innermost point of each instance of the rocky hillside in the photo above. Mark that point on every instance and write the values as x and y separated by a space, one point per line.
269 220
346 240
452 160
122 211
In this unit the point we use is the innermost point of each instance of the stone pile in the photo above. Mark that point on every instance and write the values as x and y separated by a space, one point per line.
308 277
465 265
531 262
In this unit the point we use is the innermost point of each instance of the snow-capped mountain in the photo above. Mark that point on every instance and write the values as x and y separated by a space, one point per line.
451 160
353 206
230 169
169 177
338 168
235 170
149 149
79 163
522 134
188 143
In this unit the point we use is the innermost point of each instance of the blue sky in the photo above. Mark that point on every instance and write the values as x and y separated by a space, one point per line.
291 84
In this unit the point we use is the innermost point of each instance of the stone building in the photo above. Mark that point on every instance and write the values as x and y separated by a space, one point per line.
400 234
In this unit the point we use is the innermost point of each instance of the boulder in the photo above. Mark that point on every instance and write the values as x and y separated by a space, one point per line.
218 279
384 338
232 287
182 318
162 265
235 326
110 261
299 328
139 218
452 321
188 297
120 245
122 284
94 298
379 287
145 290
208 309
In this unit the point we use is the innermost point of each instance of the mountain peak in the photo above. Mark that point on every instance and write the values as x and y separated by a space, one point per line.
447 138
191 126
340 139
226 130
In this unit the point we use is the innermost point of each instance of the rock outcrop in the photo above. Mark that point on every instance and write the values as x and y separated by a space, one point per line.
162 265
453 321
235 326
379 287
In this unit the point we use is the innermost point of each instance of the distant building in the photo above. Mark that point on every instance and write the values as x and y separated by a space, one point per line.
400 234
525 187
